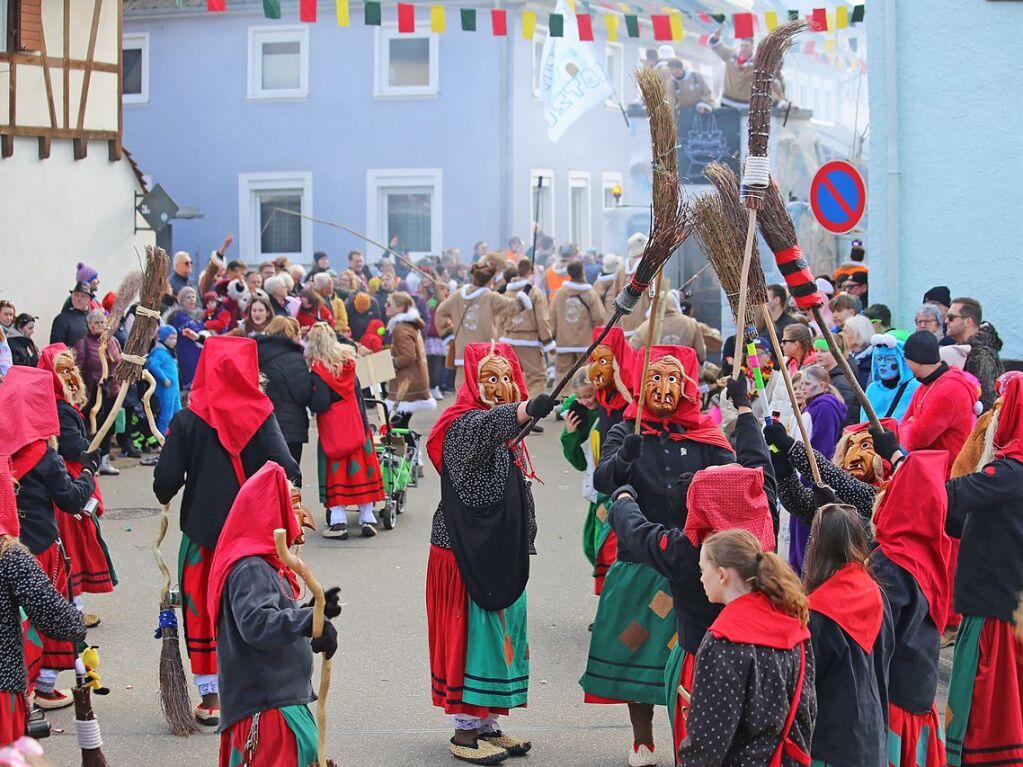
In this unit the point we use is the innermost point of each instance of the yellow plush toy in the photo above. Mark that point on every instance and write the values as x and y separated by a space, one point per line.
90 657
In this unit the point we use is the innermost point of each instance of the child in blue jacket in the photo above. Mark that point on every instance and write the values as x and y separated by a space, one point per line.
163 364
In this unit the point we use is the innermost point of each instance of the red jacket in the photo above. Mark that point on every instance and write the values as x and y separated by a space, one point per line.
308 319
940 415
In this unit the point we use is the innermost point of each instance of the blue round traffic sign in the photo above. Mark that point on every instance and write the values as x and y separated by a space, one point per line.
838 196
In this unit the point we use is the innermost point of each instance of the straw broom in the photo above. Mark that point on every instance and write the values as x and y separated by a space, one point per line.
671 218
126 292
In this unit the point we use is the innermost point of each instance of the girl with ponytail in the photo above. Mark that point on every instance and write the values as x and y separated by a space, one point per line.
853 639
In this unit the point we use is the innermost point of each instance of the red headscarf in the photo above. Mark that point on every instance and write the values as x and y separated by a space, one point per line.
1009 434
469 395
699 428
609 397
888 423
29 416
852 599
226 394
46 357
910 527
753 619
9 522
727 497
261 506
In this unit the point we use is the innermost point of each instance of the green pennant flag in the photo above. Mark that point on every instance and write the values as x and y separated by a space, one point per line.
272 9
632 25
468 19
854 44
793 15
372 10
556 25
858 13
718 17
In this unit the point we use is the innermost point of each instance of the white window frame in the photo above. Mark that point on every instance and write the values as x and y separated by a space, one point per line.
138 41
379 179
607 180
249 234
4 10
540 35
381 61
617 76
547 216
254 72
580 179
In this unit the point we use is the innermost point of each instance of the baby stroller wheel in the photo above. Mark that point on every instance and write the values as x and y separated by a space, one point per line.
399 502
388 515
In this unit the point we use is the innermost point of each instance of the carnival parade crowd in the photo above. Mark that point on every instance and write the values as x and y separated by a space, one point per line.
779 618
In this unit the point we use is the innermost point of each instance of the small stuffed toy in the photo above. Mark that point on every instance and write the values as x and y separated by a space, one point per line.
90 657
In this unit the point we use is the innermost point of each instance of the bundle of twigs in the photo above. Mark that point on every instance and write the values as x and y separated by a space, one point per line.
126 293
147 319
780 235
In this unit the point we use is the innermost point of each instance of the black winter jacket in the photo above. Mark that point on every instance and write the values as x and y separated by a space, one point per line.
49 484
23 351
73 439
68 327
289 386
194 457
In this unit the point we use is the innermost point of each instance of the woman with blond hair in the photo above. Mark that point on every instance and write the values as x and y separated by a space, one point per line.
288 383
349 471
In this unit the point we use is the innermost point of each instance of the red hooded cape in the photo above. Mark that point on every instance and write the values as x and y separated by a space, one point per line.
753 619
46 363
609 398
29 416
469 395
888 423
262 505
910 527
852 599
699 428
727 497
9 522
1009 434
226 394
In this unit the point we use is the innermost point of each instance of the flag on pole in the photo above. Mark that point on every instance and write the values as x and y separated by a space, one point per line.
572 78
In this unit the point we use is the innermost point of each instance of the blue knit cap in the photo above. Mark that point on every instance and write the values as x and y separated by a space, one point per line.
165 332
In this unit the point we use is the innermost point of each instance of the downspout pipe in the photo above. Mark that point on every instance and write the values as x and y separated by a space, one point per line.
892 171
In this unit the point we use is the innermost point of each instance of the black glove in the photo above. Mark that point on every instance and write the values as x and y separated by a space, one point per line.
623 490
823 495
527 288
886 444
540 406
89 460
332 608
632 448
776 436
738 392
327 641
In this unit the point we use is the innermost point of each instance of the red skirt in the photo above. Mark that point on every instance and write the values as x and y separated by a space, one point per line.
56 655
13 712
277 746
681 707
447 619
32 644
92 572
351 480
606 555
194 564
915 740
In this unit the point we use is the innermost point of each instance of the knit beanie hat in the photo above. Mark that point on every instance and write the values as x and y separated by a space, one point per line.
85 273
165 332
939 294
362 302
922 348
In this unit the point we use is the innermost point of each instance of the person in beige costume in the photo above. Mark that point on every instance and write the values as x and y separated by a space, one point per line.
738 86
636 245
676 329
474 312
528 333
606 281
575 311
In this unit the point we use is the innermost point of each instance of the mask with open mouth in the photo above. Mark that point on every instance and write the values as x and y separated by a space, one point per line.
496 381
663 386
67 369
860 457
601 370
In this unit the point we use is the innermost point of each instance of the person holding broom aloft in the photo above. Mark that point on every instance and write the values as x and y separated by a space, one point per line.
226 434
264 651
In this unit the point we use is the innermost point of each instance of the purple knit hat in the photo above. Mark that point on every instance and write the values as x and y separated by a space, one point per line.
85 273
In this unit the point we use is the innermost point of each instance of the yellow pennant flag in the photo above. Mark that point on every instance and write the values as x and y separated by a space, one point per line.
625 7
528 24
675 18
611 22
571 5
438 20
841 17
830 45
342 13
770 20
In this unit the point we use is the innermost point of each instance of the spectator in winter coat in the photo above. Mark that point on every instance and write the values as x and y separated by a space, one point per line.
928 317
312 310
23 349
323 284
278 288
181 271
838 380
88 352
857 332
409 391
217 319
70 325
288 384
164 366
187 319
966 326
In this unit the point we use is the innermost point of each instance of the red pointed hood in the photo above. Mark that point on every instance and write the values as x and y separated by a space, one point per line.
1009 434
852 599
909 526
262 505
46 357
610 398
728 497
9 521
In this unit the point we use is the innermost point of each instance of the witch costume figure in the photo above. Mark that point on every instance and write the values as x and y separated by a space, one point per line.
482 537
225 435
263 632
635 627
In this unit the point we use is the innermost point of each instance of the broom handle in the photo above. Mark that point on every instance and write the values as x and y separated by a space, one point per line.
810 454
846 368
149 408
740 314
111 417
104 367
319 603
646 354
158 556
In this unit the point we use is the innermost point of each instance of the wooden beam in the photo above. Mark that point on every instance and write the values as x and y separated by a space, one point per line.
67 57
89 56
35 131
120 84
12 94
108 67
44 147
49 88
81 147
115 150
6 146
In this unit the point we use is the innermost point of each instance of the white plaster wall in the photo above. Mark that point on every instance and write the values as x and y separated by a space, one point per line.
57 212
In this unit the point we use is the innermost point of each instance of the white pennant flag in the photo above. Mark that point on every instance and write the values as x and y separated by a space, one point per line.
572 77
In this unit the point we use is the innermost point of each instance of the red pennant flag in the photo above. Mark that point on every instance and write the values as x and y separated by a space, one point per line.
702 15
662 26
743 25
217 6
819 20
406 18
808 48
499 22
585 27
704 40
307 11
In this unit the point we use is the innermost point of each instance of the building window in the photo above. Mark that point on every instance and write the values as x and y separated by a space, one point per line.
5 43
539 38
265 232
579 208
405 203
406 65
541 201
278 62
135 68
614 62
608 181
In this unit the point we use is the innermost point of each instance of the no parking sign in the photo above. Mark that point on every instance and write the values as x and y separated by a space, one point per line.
838 196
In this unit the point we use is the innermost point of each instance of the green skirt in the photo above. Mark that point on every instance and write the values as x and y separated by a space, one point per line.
595 528
633 634
497 657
